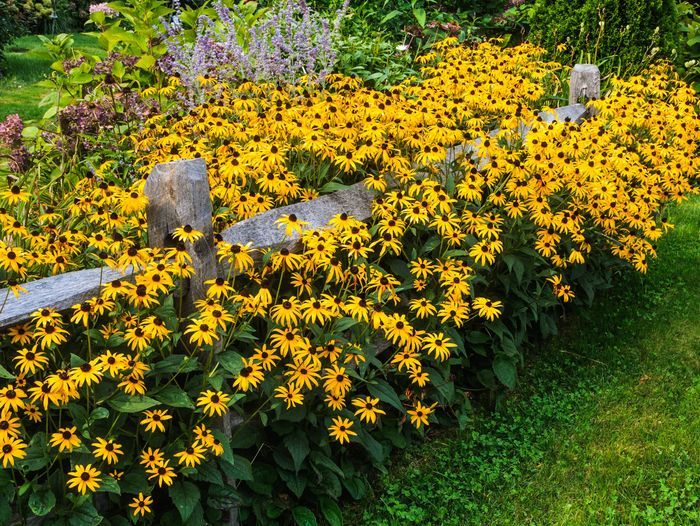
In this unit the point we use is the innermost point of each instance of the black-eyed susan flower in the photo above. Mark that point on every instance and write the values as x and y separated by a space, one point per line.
290 394
341 429
84 478
153 420
11 448
420 413
65 439
151 457
141 504
191 456
368 409
213 403
163 473
486 308
109 450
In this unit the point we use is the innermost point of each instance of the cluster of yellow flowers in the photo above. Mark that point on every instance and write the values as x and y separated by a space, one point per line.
418 272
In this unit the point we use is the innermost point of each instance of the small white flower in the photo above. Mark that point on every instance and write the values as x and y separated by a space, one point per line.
402 47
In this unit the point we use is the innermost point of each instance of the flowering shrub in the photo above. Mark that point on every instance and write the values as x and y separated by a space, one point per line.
373 331
287 43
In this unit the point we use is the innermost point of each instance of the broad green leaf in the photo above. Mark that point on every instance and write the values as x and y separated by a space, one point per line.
298 446
173 396
420 16
303 516
173 364
132 404
231 361
381 389
109 485
505 370
84 515
42 501
331 511
4 373
185 496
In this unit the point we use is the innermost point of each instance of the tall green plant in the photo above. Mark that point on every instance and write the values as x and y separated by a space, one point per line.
632 32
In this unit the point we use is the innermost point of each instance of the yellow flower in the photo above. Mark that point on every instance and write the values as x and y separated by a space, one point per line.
213 403
107 450
141 504
66 438
368 409
191 456
341 430
420 413
11 449
84 478
154 420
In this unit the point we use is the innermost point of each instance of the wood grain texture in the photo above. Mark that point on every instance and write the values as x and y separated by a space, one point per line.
584 83
60 292
178 195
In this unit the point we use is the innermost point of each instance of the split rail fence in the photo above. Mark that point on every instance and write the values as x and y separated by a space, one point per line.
178 194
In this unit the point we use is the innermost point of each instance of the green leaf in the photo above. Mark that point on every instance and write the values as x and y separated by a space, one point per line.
185 496
99 413
175 363
173 396
303 516
393 14
85 515
231 361
382 390
515 265
333 186
42 501
298 446
331 511
420 16
37 453
4 373
505 370
222 497
109 485
146 62
343 324
132 404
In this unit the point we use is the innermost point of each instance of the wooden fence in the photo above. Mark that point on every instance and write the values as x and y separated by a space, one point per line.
178 194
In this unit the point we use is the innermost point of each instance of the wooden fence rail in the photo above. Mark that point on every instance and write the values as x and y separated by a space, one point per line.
178 194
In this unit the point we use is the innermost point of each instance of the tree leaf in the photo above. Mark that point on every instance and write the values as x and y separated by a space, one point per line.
173 396
298 446
42 501
303 516
131 404
185 496
331 511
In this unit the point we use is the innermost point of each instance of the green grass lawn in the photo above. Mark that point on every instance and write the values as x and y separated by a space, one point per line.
604 430
27 64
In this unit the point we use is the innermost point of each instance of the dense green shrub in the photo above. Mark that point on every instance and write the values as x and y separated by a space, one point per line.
630 30
9 29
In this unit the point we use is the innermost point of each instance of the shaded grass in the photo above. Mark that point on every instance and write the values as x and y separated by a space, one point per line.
603 430
28 62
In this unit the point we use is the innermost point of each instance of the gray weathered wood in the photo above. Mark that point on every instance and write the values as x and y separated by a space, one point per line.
263 232
178 195
59 292
176 201
584 83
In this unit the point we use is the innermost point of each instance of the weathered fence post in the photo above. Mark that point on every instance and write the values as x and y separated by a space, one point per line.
584 83
178 195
